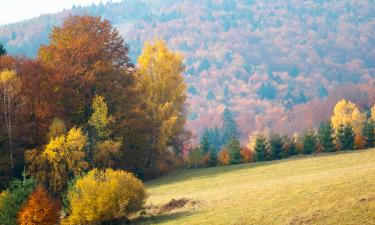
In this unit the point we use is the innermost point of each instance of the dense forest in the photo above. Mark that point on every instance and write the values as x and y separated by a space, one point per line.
278 65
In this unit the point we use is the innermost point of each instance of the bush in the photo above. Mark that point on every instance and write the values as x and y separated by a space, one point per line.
39 209
104 196
223 157
12 200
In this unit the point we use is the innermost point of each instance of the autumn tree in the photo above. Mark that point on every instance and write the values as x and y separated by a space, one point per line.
368 133
56 129
261 148
309 142
276 146
234 150
39 209
163 95
102 196
326 137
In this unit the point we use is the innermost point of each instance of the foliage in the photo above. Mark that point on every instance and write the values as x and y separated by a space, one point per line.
289 147
345 137
99 120
368 133
234 150
204 143
107 154
247 155
326 137
39 209
3 51
104 195
56 129
276 146
195 158
13 199
309 142
223 157
346 112
260 148
229 126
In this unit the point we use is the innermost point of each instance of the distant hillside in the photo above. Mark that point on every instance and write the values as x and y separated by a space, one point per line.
267 60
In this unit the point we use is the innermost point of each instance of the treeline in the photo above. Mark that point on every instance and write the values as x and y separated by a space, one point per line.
348 129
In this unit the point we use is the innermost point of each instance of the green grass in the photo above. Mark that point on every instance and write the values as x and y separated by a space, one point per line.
325 189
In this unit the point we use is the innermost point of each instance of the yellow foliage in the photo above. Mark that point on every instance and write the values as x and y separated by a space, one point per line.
223 157
104 195
346 112
373 112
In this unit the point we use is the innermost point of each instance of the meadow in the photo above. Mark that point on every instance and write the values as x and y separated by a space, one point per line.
337 188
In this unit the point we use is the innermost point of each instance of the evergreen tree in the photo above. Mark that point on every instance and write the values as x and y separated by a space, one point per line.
229 126
368 133
212 158
215 139
289 147
234 150
345 137
309 142
2 50
204 143
260 148
325 136
276 146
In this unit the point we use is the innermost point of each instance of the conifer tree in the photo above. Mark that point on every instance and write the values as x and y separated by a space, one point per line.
325 136
204 143
229 126
2 50
234 150
309 142
260 148
368 133
345 137
276 146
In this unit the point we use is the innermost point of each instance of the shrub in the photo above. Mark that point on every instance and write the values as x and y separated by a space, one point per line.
104 196
223 157
39 209
13 198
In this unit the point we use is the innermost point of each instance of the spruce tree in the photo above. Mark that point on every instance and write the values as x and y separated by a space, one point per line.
289 147
204 143
260 148
234 150
368 133
345 137
276 146
2 50
229 127
325 136
309 142
212 158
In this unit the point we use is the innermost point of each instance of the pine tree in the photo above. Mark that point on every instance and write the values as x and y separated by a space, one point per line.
276 146
345 137
204 143
229 126
325 136
212 158
309 142
2 50
368 133
260 148
234 150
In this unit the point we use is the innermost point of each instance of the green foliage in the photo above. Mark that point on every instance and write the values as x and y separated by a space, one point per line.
368 133
229 126
345 137
234 150
326 137
204 143
195 158
276 146
309 142
260 148
11 202
99 120
2 50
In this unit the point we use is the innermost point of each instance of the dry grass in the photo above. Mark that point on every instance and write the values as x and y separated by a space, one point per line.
325 189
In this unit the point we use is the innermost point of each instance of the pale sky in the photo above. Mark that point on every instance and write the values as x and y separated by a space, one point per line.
17 10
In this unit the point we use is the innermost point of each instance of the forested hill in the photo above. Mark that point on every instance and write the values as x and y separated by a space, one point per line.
269 61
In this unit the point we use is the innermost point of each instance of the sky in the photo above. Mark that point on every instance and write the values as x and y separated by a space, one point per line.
18 10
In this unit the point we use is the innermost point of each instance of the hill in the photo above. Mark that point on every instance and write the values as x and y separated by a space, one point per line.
324 189
266 60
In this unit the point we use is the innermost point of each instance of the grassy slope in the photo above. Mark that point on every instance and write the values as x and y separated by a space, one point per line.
325 189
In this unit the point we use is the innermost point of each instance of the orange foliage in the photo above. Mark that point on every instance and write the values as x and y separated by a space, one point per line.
360 142
247 155
39 209
223 157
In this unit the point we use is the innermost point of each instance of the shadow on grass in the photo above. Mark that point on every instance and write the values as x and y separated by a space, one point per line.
160 218
194 174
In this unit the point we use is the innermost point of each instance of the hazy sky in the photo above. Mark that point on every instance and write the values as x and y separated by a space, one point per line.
17 10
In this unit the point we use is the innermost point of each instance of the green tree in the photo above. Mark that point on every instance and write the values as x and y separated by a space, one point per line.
204 143
276 146
13 198
234 150
326 137
345 136
2 50
309 142
99 120
368 133
212 158
229 126
260 148
195 158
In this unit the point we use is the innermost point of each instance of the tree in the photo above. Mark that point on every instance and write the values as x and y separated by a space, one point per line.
102 196
260 148
229 126
223 157
289 147
162 99
195 158
106 154
13 199
204 143
3 51
99 120
346 112
326 137
309 142
345 137
39 209
234 150
276 146
368 133
56 129
9 83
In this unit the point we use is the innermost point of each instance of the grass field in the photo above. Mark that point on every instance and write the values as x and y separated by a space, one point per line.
325 189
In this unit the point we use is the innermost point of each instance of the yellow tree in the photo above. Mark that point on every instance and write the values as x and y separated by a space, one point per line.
373 113
346 112
163 97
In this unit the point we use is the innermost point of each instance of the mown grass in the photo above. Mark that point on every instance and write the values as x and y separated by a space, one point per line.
324 189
